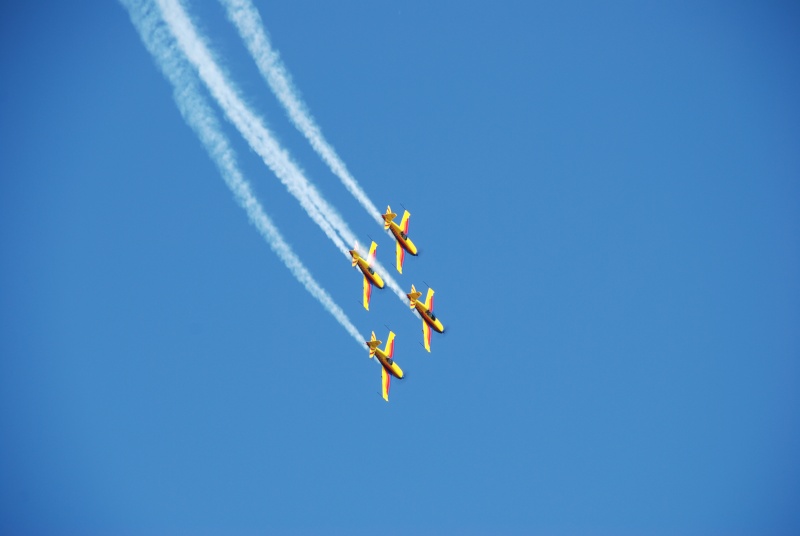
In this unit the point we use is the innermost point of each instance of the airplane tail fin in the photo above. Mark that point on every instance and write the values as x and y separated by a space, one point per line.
373 343
414 296
354 254
388 217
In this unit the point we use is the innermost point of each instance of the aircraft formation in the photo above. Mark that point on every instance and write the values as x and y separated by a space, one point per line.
424 309
186 60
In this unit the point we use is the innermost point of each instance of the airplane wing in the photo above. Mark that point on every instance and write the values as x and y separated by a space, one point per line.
371 256
386 379
426 335
429 300
390 345
401 255
367 293
404 222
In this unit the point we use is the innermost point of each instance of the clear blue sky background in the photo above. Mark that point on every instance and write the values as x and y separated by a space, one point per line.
607 200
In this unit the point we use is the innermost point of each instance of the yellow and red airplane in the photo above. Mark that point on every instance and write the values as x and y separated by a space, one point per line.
370 276
425 310
400 233
388 367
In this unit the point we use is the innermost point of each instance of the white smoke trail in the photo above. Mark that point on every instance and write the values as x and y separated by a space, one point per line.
256 133
247 20
202 119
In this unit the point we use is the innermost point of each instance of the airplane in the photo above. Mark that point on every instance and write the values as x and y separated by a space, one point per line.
425 310
370 276
388 367
400 233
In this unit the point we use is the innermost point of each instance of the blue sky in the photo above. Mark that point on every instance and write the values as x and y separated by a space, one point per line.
607 203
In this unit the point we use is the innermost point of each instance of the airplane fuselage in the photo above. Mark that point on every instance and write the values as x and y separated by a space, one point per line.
369 273
402 238
389 364
428 317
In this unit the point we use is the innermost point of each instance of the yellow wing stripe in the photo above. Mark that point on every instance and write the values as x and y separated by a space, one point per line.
371 256
386 379
401 255
426 335
390 345
367 293
429 300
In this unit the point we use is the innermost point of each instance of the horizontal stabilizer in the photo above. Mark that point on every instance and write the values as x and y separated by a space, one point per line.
388 217
413 296
373 343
